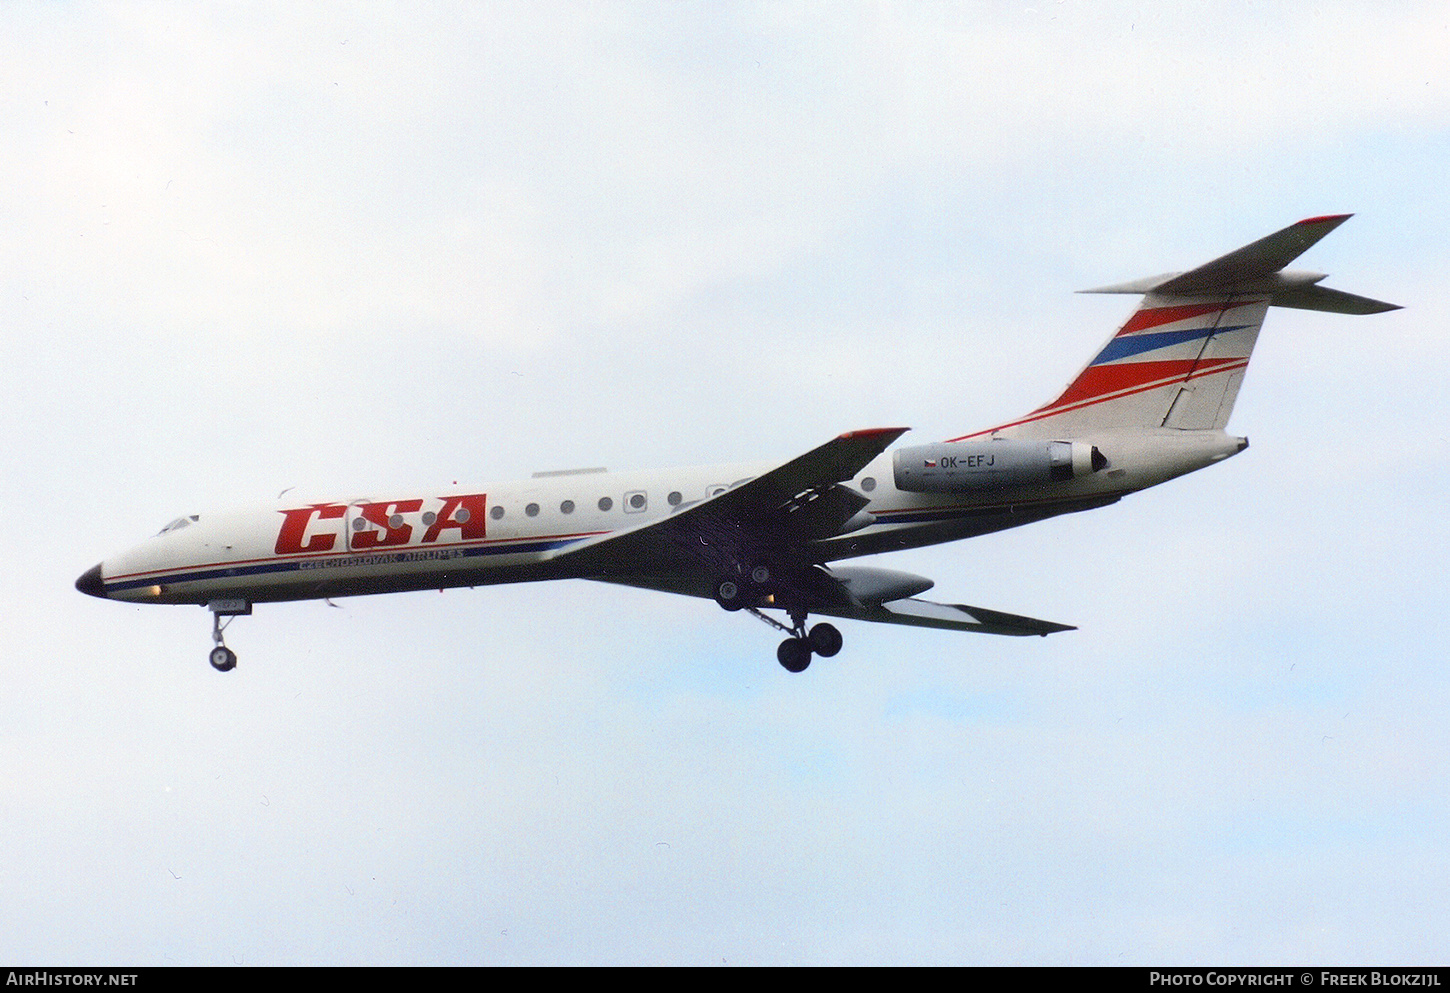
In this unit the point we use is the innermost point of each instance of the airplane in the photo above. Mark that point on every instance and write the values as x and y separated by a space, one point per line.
1151 405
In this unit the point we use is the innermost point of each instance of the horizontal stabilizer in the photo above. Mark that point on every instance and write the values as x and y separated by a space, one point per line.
1257 269
1333 301
1255 261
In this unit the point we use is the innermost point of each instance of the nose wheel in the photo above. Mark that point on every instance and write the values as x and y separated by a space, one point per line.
222 658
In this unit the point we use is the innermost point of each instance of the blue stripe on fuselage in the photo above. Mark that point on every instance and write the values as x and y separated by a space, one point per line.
339 561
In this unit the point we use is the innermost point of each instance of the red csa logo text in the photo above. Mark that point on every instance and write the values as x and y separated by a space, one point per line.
384 525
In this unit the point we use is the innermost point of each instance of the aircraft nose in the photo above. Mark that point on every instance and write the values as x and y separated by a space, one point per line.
90 581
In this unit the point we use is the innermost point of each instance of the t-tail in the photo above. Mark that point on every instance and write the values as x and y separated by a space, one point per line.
1180 358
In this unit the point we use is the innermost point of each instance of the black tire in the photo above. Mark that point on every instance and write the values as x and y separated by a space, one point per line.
223 659
794 654
825 640
729 594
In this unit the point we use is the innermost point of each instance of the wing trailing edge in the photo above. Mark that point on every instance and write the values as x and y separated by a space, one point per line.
951 616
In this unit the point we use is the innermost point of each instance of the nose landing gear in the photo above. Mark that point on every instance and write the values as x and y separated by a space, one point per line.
222 658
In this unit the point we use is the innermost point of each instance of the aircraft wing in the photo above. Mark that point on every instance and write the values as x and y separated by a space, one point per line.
767 516
769 519
953 616
867 593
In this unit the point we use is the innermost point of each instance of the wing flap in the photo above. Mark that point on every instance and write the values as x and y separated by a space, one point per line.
951 616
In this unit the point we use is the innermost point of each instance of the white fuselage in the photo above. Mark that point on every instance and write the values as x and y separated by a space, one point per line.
513 531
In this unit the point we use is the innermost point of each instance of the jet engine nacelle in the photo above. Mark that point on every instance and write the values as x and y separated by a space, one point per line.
964 466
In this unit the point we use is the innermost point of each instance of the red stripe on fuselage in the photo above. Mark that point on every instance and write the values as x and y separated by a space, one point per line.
359 553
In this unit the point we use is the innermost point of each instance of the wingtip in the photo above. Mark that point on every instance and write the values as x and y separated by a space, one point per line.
1326 219
874 433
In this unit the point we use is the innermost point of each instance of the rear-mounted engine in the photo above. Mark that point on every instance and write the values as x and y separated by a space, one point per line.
965 466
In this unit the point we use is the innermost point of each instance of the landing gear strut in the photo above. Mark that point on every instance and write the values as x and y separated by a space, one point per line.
223 659
795 652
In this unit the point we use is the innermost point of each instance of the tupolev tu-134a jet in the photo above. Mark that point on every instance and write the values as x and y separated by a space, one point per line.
1151 405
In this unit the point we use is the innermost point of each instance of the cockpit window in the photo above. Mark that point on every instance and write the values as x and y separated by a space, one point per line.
177 524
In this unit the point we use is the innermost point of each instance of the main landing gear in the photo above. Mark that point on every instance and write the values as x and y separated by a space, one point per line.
746 589
223 659
795 652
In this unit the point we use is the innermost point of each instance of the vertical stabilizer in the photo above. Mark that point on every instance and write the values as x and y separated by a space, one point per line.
1179 360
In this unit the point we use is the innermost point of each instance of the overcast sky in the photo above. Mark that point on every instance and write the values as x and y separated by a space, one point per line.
361 248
